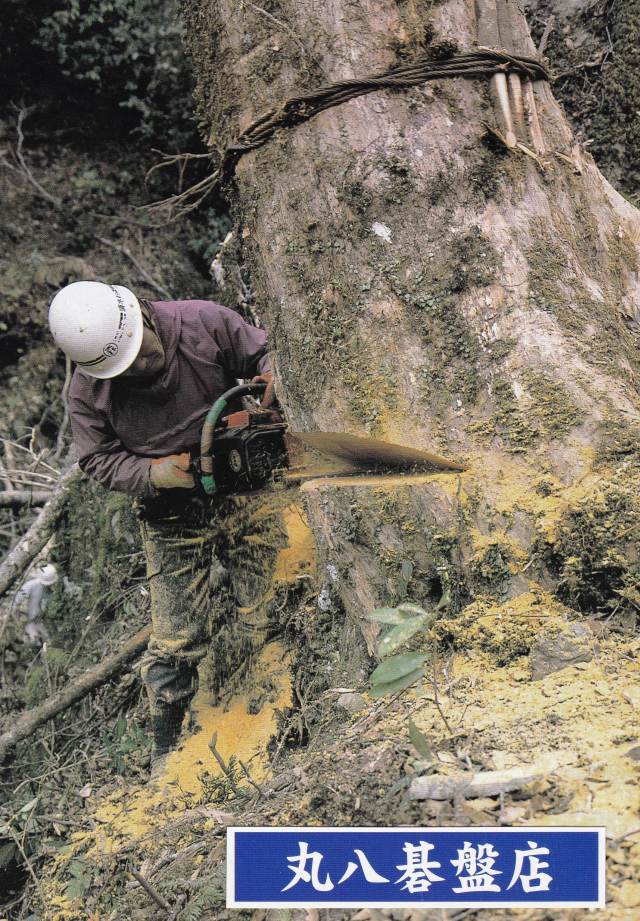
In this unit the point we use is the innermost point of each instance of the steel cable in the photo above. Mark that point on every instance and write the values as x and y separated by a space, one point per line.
482 62
297 109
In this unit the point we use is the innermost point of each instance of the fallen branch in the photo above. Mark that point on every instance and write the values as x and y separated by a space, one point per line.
150 280
471 786
616 841
14 498
96 676
249 778
224 767
512 147
39 533
20 845
151 892
548 29
586 65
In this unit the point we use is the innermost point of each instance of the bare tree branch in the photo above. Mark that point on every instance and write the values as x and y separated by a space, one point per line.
15 498
548 29
150 280
39 533
150 890
99 674
21 167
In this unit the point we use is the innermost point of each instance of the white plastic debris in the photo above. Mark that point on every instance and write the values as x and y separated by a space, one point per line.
217 268
29 600
382 231
324 600
48 574
333 572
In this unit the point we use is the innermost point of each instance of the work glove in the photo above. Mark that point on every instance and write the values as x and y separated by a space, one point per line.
268 397
171 472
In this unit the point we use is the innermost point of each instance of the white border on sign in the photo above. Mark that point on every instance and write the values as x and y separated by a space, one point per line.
231 902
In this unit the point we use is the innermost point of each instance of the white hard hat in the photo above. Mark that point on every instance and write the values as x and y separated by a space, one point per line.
47 574
98 326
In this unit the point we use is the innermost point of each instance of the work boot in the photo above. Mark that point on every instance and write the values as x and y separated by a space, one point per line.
166 723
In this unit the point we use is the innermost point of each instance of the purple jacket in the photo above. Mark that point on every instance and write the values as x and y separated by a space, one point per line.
119 424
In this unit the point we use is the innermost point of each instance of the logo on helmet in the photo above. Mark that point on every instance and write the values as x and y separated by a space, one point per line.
110 350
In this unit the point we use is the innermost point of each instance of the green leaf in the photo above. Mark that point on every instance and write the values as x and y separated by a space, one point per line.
29 806
406 569
386 616
445 601
401 634
77 888
397 667
419 741
120 728
410 608
78 869
390 687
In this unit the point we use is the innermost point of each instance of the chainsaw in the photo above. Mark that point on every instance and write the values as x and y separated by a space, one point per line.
247 449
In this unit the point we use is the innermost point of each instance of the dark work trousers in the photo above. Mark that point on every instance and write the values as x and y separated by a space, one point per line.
209 567
188 587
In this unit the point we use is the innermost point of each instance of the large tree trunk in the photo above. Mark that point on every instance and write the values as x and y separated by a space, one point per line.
422 283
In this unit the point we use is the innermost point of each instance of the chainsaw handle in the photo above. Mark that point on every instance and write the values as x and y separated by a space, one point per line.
209 426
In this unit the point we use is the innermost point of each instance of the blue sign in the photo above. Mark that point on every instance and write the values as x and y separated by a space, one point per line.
439 867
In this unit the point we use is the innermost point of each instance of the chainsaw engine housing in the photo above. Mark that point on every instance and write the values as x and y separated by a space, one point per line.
248 447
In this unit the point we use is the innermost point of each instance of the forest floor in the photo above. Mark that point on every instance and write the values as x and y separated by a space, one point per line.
575 729
79 812
483 706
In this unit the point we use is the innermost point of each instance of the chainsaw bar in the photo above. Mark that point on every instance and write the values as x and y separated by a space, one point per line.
362 454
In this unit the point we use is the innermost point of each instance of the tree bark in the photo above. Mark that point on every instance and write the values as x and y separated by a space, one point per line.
96 676
422 283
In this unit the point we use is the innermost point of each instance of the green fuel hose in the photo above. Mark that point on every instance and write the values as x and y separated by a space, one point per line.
209 426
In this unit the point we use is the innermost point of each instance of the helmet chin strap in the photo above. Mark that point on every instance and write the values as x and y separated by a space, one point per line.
149 323
148 318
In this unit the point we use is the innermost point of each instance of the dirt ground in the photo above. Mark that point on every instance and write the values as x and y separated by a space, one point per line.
576 729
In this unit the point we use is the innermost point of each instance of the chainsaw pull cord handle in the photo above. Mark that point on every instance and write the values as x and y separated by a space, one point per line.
208 429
